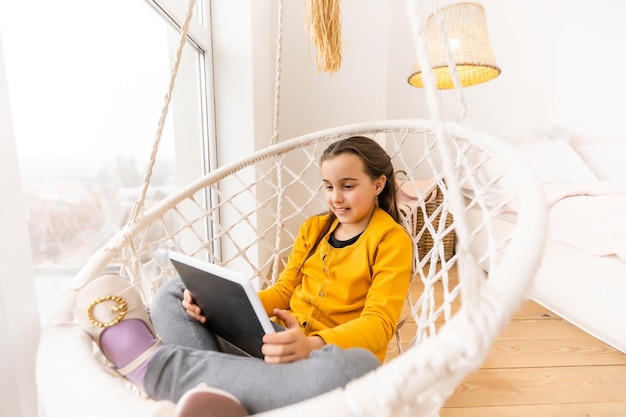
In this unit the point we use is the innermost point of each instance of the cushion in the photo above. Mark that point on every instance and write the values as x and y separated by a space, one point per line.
555 162
608 162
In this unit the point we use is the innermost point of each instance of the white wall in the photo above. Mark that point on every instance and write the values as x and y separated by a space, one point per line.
354 94
245 46
561 61
562 66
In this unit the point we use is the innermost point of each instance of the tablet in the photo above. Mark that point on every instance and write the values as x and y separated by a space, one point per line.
227 298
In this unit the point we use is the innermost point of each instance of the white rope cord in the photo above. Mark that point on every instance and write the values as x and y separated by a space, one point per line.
279 57
455 197
465 116
274 140
139 204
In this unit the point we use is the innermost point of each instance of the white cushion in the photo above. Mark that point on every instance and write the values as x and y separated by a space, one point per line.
555 162
608 162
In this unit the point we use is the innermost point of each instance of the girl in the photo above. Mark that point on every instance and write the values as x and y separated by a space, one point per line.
339 299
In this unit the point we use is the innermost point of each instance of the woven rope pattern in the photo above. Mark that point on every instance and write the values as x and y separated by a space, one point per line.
245 216
230 216
239 228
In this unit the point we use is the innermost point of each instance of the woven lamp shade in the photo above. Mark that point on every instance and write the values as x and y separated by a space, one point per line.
466 28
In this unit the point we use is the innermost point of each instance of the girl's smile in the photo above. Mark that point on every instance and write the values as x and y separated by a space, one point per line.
350 193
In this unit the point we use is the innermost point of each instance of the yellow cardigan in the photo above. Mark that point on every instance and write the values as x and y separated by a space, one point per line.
352 296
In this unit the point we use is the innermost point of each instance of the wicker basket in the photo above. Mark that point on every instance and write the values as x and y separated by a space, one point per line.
416 212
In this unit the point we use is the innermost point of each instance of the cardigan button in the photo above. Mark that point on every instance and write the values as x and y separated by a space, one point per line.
321 293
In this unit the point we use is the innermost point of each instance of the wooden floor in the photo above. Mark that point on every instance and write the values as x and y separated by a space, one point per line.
542 366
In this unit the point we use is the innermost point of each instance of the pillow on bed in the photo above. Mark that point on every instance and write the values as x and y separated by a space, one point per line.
488 179
608 162
555 162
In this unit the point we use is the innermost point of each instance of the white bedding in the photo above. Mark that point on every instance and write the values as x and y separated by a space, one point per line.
582 276
584 289
590 217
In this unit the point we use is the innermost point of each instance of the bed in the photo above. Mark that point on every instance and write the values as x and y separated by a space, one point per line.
582 276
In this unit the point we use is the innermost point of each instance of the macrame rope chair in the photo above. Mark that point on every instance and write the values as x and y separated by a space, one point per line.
245 215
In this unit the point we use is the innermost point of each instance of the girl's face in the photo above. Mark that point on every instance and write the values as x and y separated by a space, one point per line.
350 193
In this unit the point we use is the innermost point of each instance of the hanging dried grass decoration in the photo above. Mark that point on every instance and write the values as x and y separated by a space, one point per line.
323 28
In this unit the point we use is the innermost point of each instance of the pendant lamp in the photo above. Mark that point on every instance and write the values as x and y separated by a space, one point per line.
466 28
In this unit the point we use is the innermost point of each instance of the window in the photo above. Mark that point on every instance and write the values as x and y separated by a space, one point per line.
87 82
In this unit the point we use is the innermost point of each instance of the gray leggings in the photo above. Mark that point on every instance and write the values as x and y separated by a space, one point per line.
191 357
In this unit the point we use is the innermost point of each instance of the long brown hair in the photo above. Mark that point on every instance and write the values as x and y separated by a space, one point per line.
376 162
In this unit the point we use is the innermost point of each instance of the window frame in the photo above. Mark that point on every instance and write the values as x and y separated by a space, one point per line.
199 33
173 11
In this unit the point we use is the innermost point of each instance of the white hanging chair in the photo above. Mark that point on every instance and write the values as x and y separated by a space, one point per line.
245 215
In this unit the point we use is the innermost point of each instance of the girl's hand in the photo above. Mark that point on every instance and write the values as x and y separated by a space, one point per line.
192 308
291 344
